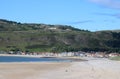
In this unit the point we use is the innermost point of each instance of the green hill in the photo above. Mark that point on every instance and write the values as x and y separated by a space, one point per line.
55 38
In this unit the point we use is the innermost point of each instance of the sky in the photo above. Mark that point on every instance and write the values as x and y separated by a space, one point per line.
93 15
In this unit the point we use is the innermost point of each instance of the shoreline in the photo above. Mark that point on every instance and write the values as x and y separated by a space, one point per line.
72 58
94 68
91 69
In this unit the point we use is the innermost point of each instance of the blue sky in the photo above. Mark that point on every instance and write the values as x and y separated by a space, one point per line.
90 15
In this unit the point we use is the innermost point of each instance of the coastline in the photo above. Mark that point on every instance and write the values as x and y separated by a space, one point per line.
70 58
91 69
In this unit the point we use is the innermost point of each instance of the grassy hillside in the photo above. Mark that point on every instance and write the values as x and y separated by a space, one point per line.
55 38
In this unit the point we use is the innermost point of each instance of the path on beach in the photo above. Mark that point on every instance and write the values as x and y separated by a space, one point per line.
94 68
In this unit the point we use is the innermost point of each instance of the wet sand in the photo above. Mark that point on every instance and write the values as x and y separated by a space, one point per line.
91 69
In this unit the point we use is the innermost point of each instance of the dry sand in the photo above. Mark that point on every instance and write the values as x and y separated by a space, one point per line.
92 69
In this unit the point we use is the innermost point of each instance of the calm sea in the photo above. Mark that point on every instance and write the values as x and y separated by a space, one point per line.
30 59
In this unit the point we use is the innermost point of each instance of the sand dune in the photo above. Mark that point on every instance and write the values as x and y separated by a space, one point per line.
92 69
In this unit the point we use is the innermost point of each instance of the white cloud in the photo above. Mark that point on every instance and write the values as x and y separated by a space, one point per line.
117 15
80 22
108 3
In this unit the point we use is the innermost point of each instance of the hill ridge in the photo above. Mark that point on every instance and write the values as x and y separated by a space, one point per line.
55 38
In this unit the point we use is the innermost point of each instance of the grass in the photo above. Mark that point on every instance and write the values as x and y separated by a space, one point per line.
117 58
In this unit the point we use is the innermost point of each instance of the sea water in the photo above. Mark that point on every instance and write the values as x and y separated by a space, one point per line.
30 59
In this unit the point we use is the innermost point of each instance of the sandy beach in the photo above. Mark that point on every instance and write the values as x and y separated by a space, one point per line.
91 69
